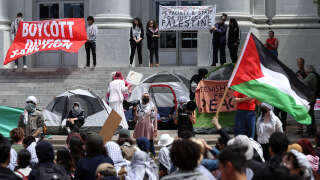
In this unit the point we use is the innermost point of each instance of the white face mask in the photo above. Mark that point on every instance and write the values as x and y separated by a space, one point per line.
76 108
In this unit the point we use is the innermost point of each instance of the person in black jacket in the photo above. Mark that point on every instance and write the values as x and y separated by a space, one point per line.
136 37
194 81
152 38
233 39
5 146
76 117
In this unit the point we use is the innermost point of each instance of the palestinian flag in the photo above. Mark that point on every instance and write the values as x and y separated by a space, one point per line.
260 75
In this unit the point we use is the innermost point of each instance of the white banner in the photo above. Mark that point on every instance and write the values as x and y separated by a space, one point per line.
186 18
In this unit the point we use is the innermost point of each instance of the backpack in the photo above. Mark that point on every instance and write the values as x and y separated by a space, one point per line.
23 176
52 173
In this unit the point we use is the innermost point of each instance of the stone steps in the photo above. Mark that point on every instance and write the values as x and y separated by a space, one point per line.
60 140
46 83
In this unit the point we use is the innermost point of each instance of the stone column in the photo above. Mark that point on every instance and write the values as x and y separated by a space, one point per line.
113 20
4 30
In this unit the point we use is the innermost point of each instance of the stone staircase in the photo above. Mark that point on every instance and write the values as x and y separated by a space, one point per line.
45 84
60 140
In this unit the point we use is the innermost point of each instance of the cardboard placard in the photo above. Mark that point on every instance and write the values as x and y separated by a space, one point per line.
134 77
209 94
110 126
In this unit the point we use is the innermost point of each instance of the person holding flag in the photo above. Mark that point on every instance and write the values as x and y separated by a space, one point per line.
260 75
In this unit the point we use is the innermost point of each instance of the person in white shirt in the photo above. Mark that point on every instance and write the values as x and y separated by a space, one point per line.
92 32
13 32
116 89
267 124
136 37
23 169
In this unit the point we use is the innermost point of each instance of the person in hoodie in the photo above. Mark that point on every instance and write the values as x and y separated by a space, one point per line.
76 117
95 155
186 156
45 153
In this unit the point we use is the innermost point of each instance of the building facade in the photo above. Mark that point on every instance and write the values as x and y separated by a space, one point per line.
295 22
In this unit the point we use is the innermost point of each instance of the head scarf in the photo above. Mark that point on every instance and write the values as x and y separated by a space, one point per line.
118 75
243 140
304 165
114 152
164 158
142 164
77 112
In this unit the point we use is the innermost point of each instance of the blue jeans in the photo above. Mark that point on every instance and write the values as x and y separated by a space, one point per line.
245 123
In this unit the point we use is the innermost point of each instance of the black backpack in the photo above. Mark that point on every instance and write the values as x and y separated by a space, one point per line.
52 173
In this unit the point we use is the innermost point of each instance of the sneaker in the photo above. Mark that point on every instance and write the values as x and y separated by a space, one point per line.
25 66
85 67
15 67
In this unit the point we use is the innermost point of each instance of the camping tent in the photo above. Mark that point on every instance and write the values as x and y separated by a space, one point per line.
96 109
226 119
164 88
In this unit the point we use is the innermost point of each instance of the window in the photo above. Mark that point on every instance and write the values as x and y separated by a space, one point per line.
49 11
73 10
60 9
189 39
168 39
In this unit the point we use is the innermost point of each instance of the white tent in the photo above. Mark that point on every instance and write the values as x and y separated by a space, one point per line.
164 88
96 110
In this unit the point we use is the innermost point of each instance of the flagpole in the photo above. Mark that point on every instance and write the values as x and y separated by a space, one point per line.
222 100
227 88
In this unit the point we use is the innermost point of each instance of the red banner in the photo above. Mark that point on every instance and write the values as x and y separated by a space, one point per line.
209 94
58 34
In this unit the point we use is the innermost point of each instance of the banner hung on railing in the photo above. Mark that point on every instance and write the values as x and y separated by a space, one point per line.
58 34
186 18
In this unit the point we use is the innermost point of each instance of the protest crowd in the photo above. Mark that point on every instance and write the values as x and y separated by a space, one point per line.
259 148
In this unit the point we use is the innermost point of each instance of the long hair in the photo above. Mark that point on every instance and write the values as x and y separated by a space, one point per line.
234 23
155 25
139 22
64 159
76 148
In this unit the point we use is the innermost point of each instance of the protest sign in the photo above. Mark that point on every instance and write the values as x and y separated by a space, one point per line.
134 77
186 18
317 105
209 94
110 126
59 34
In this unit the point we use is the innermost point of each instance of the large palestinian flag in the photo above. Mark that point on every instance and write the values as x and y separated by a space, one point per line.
260 75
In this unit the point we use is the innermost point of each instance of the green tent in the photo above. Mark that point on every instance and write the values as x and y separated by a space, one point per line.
226 119
9 118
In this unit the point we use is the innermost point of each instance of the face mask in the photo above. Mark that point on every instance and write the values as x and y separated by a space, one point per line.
145 100
30 107
76 108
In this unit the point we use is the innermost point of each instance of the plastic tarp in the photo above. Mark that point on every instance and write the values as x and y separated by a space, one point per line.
226 119
9 118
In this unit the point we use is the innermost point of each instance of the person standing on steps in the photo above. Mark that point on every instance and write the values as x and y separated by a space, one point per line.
219 31
233 39
272 44
136 37
13 31
153 38
92 32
